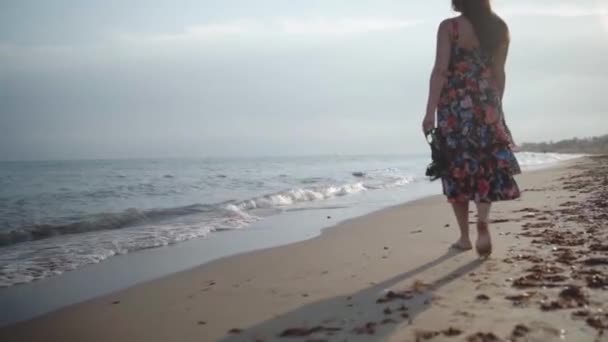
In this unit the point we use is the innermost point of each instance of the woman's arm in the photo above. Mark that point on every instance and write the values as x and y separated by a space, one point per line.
498 67
438 75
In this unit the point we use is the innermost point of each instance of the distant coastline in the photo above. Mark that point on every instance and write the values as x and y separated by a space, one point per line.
593 145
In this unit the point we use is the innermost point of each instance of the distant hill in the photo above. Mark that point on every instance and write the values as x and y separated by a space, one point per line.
595 145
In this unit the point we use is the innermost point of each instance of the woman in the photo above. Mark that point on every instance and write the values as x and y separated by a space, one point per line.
466 90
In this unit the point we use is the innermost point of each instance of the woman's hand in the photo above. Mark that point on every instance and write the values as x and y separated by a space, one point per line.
428 123
514 146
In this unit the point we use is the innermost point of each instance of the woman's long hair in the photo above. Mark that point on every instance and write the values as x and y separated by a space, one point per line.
490 29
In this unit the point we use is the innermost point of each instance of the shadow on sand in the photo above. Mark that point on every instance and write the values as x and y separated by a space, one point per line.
357 316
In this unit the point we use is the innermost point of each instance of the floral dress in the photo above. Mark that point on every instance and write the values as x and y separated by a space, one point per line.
475 139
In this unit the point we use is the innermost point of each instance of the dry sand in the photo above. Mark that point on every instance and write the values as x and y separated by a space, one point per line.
545 281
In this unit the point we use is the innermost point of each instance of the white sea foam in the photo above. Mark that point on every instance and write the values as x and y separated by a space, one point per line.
20 264
531 160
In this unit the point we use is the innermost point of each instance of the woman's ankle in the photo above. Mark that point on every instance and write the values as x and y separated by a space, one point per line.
482 226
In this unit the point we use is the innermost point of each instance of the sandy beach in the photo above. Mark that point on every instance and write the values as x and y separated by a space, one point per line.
387 276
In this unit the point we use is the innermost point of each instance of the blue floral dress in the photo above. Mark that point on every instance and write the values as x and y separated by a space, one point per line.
476 141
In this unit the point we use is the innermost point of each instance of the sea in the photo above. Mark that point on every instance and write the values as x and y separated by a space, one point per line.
60 216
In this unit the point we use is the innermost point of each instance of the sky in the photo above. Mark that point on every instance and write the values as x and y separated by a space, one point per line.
201 78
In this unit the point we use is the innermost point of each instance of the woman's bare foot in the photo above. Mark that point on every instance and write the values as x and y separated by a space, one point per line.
484 240
462 245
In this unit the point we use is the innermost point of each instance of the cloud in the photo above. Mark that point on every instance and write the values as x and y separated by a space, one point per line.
320 26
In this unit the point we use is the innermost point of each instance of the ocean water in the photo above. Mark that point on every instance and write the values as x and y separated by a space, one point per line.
57 216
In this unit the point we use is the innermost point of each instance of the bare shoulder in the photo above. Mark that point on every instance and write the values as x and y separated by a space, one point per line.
446 24
504 27
449 21
501 22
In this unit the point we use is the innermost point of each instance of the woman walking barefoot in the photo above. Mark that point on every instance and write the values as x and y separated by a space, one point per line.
466 90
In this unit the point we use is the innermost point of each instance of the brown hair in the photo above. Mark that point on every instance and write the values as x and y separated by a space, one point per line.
490 29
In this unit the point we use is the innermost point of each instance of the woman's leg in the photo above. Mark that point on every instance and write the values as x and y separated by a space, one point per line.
461 210
484 240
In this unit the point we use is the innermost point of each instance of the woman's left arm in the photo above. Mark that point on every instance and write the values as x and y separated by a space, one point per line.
438 75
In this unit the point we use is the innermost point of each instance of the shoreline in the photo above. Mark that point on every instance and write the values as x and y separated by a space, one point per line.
229 266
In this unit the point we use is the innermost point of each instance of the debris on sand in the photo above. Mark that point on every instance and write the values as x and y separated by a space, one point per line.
596 261
429 335
527 210
530 258
303 332
597 281
546 269
388 321
580 314
539 280
420 287
598 321
484 337
598 248
426 335
566 256
524 299
538 225
368 329
570 297
392 296
519 331
559 238
451 332
482 297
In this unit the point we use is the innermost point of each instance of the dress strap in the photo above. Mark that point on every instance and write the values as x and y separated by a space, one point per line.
455 32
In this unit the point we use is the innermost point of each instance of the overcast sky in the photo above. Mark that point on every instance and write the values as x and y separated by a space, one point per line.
160 78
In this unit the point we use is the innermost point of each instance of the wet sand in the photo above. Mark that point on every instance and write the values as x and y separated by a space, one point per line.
385 276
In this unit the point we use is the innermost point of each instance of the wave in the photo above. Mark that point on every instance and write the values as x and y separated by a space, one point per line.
44 258
134 217
533 160
104 221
